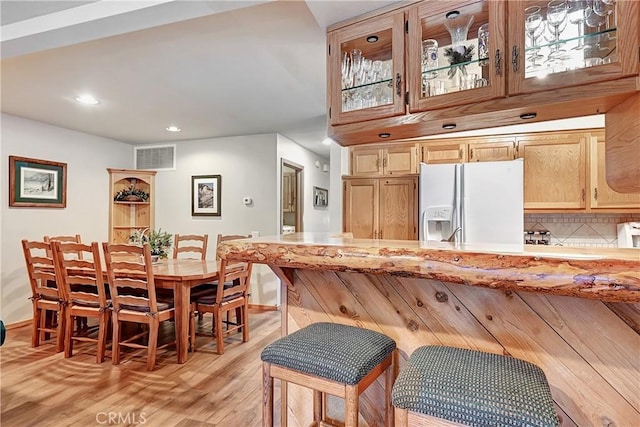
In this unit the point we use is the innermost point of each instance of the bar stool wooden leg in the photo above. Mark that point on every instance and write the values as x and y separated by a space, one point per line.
351 406
318 408
267 396
390 375
401 417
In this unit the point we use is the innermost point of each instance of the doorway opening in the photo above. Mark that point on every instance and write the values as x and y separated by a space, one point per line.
291 196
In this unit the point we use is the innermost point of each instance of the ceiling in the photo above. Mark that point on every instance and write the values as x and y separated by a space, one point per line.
212 68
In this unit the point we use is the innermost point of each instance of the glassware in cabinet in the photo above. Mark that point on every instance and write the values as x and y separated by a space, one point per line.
467 63
366 70
561 43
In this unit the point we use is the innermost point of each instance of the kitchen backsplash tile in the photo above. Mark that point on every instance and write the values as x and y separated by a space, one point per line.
581 230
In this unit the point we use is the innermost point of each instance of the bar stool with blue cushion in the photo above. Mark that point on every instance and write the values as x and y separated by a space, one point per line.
471 388
331 359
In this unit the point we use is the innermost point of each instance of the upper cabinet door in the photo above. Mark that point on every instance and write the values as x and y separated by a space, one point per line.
366 70
456 53
567 43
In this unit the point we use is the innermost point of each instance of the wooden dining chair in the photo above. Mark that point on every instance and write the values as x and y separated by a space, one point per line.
81 322
71 238
83 283
233 295
133 296
190 244
47 296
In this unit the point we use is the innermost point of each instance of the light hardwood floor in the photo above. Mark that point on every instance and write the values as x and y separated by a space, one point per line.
39 387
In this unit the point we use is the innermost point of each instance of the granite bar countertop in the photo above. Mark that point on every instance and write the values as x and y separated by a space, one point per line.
597 273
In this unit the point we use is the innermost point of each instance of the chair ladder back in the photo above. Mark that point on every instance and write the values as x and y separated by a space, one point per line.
239 274
80 272
69 239
190 243
41 270
130 277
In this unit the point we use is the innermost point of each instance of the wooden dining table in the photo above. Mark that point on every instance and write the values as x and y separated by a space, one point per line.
181 275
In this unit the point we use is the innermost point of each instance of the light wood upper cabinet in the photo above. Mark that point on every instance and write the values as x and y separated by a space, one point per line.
492 149
617 55
392 160
601 195
436 83
381 208
366 70
126 216
554 170
443 151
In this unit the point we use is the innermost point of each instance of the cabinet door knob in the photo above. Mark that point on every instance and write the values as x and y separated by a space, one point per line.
514 58
595 194
498 63
471 154
398 84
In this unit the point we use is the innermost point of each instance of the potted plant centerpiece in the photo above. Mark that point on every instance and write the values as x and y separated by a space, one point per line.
159 241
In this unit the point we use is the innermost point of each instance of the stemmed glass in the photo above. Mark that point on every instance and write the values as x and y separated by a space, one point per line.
593 20
576 13
604 8
557 20
533 27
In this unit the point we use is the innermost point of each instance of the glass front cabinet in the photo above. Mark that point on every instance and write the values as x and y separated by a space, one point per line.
456 53
562 43
366 70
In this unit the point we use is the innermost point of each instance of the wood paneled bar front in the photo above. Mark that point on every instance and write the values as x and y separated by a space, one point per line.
574 312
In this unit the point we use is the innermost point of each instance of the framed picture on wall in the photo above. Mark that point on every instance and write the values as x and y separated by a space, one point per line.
37 183
206 191
320 197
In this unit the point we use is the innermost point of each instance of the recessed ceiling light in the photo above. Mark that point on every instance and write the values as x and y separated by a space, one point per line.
327 141
372 39
86 99
384 135
449 126
173 129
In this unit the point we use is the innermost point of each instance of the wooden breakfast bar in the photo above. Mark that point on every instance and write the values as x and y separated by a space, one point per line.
575 312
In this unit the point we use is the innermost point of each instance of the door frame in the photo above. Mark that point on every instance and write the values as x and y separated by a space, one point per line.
299 177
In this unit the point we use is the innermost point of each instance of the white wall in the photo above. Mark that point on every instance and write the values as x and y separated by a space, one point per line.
339 167
87 211
314 219
248 167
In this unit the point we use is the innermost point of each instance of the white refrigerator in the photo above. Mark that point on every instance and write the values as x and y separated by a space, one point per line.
479 202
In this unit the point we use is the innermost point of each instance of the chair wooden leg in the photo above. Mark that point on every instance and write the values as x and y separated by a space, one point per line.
351 406
152 348
115 341
35 331
68 335
61 314
245 322
44 317
267 396
192 330
219 333
103 322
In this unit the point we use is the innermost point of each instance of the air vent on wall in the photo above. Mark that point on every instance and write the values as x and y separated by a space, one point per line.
157 157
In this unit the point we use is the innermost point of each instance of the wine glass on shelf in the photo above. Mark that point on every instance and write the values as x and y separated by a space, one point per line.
533 27
557 21
576 14
593 20
605 8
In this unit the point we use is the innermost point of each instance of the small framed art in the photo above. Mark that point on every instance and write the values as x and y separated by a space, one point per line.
206 194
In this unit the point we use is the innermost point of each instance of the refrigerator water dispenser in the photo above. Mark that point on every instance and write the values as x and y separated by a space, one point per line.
439 222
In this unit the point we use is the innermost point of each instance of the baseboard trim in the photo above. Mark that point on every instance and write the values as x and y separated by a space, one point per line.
264 307
18 324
